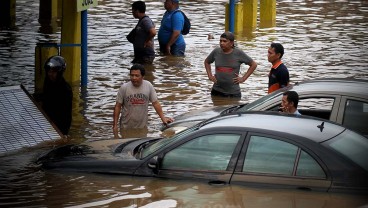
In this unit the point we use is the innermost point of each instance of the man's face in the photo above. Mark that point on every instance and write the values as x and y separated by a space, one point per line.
136 77
226 44
285 104
272 55
135 13
52 74
168 4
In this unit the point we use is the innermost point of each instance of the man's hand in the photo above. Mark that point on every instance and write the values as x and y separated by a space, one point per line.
167 120
115 130
238 79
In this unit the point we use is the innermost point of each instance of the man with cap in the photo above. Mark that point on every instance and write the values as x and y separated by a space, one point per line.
227 60
169 35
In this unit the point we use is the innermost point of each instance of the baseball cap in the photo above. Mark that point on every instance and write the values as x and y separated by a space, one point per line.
228 35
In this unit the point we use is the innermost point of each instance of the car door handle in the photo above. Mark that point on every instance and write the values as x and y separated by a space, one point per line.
217 183
304 188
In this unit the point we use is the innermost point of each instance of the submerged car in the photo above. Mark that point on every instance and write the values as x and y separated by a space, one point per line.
261 149
344 101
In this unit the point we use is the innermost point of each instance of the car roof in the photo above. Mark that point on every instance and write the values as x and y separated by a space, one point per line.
351 87
305 126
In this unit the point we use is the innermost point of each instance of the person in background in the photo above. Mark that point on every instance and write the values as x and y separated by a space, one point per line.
228 60
57 95
132 102
289 102
143 43
169 35
278 77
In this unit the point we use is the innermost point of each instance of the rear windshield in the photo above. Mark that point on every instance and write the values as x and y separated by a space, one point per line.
260 101
352 145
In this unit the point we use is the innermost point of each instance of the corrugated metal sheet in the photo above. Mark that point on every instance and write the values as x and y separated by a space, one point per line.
21 122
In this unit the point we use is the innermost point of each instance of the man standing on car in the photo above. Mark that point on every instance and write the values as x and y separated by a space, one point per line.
279 74
132 102
169 35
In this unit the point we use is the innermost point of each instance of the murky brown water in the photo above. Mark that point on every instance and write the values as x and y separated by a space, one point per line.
324 38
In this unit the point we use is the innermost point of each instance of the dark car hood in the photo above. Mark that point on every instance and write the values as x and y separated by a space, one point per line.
99 156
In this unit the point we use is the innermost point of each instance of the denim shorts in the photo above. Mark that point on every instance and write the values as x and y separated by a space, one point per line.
176 50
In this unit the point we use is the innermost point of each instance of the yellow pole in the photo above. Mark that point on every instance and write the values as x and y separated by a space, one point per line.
43 52
48 12
7 13
267 13
238 24
250 15
71 34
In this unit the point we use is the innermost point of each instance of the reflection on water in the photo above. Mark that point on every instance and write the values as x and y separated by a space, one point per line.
88 190
324 38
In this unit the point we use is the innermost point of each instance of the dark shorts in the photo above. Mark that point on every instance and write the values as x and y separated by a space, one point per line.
143 60
221 94
175 50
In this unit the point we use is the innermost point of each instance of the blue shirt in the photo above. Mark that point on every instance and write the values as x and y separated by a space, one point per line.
171 21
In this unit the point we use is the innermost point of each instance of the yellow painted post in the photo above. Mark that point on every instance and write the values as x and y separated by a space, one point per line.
267 13
42 54
238 25
7 14
48 12
59 9
71 34
250 15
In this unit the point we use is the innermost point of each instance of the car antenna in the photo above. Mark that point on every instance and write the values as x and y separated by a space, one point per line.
321 126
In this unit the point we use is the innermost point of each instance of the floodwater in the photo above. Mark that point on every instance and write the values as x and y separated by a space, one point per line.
322 39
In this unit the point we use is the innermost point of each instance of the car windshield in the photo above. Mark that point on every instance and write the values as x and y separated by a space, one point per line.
164 142
352 145
260 101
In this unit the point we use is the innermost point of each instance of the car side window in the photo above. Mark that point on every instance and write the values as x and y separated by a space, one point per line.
317 107
210 152
266 155
320 107
272 156
356 116
307 166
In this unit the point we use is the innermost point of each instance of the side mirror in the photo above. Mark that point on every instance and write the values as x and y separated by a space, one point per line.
153 163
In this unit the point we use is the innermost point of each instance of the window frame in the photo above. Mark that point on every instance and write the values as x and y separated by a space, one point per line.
283 138
209 175
342 109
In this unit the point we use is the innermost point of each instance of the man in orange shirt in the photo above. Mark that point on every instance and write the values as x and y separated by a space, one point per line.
279 74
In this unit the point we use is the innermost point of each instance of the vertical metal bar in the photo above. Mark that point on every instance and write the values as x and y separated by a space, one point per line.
84 49
231 15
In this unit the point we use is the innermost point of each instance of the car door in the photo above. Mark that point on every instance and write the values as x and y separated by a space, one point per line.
211 157
271 161
353 114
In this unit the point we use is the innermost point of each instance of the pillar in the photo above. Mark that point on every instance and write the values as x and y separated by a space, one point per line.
267 13
42 53
238 23
71 34
7 13
250 15
48 12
